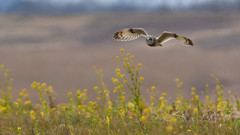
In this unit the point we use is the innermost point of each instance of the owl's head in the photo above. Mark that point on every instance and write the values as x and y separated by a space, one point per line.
151 40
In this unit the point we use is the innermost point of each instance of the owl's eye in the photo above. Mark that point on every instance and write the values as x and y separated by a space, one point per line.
150 39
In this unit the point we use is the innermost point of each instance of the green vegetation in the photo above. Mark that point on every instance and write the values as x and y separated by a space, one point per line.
122 116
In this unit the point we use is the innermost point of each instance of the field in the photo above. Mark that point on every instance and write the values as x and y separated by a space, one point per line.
56 59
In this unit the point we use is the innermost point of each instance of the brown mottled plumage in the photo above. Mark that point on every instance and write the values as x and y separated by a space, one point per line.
134 33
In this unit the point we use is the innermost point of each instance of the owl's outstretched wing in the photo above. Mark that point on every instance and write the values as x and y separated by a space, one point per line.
129 34
168 36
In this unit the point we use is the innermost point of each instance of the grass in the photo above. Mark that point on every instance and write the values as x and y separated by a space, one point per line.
213 115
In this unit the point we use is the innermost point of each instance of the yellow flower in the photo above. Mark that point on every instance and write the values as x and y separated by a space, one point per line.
63 107
123 75
169 128
193 88
117 57
50 87
32 115
106 91
143 118
127 64
42 114
219 99
162 105
117 70
170 107
38 83
39 88
121 112
177 79
161 98
141 78
195 110
43 85
50 91
69 93
53 109
115 90
189 130
21 94
173 120
109 103
16 103
121 50
19 128
2 66
95 88
45 89
2 109
181 127
123 98
178 102
119 74
33 85
107 120
132 57
153 88
19 100
207 97
152 98
229 92
115 81
221 106
28 102
9 87
139 64
130 105
164 94
218 87
146 110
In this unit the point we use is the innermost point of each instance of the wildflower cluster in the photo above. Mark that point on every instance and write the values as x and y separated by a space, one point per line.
125 115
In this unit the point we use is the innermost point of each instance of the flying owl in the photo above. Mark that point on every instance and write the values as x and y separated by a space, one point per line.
133 33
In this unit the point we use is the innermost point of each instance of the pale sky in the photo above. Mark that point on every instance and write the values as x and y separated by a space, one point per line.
109 2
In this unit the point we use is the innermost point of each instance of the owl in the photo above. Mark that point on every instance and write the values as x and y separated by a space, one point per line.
133 33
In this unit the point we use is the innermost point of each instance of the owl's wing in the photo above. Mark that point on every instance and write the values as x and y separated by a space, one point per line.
129 34
168 36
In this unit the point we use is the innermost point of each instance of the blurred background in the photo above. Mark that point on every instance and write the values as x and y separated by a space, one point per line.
59 41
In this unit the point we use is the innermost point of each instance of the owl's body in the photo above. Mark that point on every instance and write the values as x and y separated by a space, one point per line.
134 33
